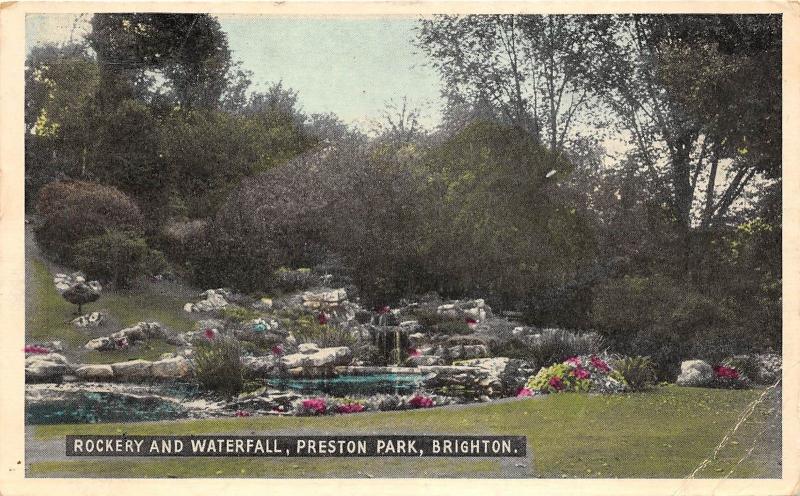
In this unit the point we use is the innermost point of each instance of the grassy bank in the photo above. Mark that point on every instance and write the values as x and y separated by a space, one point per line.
663 433
51 314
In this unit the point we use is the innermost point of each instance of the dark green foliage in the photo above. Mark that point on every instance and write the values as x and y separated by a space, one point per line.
71 211
115 256
217 365
638 372
668 321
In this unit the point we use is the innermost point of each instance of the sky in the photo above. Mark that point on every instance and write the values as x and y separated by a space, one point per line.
349 66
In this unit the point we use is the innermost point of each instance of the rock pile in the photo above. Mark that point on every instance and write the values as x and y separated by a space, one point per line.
212 300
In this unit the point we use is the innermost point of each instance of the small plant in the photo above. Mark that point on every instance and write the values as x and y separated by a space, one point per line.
638 372
217 364
307 329
313 406
239 314
728 378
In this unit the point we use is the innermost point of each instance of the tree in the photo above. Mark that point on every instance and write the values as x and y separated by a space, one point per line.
60 85
189 50
530 68
80 294
676 84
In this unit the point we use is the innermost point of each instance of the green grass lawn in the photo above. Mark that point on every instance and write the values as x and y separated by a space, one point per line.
51 314
663 433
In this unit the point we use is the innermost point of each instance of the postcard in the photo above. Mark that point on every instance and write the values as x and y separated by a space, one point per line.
369 247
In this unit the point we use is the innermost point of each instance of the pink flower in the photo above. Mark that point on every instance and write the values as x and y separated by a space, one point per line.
581 373
315 405
524 393
414 352
36 349
277 350
322 318
599 364
575 361
419 401
726 372
210 334
242 413
350 408
556 383
471 322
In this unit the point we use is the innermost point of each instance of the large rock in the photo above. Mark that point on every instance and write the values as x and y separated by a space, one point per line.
324 357
425 360
213 299
95 372
140 332
93 319
172 368
695 373
325 299
132 370
468 351
51 366
307 348
474 309
508 374
261 366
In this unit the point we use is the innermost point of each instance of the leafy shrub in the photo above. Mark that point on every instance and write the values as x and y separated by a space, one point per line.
115 256
554 345
578 374
307 330
638 372
217 365
71 211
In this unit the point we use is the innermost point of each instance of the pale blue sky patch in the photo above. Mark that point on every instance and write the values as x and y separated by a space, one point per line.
350 66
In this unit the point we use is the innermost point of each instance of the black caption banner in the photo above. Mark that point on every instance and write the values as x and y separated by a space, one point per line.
297 446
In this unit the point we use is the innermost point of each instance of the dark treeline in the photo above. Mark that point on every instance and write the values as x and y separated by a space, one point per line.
146 152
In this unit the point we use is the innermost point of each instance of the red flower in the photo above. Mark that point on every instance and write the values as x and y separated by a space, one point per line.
471 322
36 349
315 405
524 393
599 364
556 383
322 318
383 310
277 350
726 372
209 334
350 408
242 413
580 373
414 352
421 402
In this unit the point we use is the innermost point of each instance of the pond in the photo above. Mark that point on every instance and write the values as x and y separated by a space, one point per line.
352 385
91 407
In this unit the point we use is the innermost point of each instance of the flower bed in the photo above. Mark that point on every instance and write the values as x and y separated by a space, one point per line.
324 405
586 374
